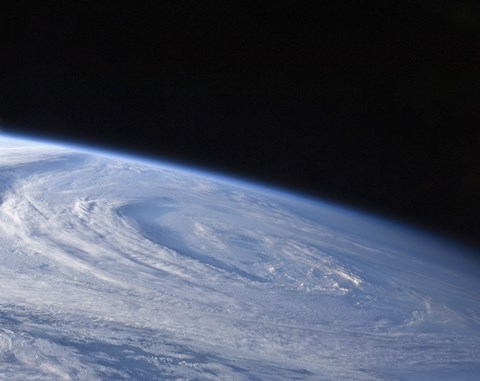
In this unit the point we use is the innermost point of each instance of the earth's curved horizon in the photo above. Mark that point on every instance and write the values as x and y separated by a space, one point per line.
116 268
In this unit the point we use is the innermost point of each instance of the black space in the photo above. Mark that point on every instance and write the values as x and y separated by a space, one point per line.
373 104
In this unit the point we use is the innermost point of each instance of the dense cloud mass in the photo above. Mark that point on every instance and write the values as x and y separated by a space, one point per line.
118 269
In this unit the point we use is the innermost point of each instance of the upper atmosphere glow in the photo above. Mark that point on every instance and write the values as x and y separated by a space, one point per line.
427 236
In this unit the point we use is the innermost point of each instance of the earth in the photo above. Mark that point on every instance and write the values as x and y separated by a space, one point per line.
121 268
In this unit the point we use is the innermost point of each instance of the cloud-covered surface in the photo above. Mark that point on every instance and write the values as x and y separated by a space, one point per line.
113 270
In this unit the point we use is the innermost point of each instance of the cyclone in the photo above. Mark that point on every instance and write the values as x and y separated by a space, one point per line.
121 268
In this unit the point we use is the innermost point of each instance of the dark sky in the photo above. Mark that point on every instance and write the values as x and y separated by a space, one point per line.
373 104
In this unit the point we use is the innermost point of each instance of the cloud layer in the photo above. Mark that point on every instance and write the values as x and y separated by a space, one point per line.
116 270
